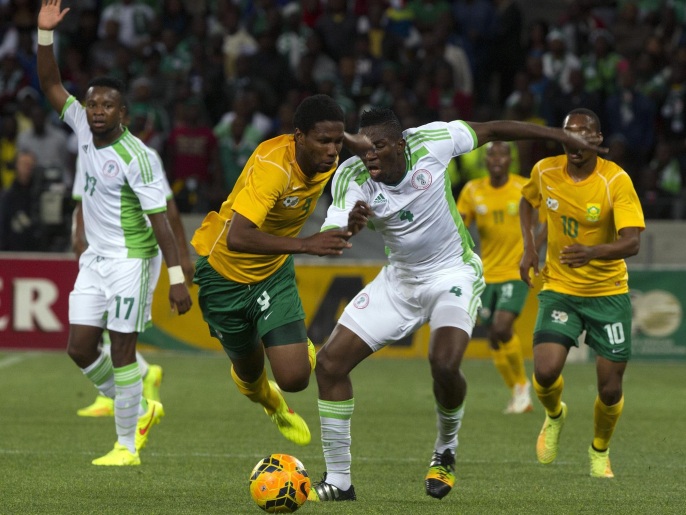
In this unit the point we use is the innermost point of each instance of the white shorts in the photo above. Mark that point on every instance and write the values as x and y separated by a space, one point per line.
114 293
396 303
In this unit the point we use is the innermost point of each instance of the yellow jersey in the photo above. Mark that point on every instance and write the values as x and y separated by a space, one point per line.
590 212
496 213
273 193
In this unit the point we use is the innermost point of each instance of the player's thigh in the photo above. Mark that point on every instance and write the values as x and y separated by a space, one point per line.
87 300
557 320
379 315
488 304
454 298
225 306
511 296
130 286
608 326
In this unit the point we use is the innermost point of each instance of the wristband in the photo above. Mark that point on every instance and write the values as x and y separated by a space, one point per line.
45 37
176 275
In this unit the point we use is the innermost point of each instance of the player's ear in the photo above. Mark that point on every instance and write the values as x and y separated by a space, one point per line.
298 135
401 145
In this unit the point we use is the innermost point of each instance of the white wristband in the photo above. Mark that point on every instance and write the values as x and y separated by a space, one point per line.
45 37
176 275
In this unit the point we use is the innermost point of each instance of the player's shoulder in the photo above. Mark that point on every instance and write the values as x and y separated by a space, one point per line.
518 180
475 184
551 164
611 171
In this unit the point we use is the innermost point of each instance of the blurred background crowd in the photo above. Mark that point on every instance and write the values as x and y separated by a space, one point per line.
208 80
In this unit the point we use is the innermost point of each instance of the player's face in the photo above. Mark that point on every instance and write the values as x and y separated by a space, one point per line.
498 159
584 127
385 161
318 150
104 112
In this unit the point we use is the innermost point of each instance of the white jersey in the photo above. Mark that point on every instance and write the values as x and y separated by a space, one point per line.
417 218
117 186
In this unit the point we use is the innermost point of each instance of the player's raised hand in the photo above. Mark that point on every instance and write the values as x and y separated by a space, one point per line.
327 243
50 14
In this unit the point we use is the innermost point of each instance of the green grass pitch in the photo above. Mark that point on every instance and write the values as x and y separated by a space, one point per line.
198 459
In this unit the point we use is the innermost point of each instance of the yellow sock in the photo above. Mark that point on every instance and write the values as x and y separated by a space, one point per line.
503 366
604 421
259 391
513 352
551 398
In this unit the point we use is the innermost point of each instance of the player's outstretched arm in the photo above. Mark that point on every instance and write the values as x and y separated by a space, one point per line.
49 16
245 236
179 298
530 255
508 130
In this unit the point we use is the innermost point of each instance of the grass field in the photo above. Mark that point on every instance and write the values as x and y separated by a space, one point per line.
198 459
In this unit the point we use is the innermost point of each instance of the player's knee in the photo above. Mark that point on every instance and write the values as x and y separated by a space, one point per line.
545 374
610 394
294 382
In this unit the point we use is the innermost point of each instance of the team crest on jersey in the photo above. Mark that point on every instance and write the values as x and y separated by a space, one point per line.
362 301
421 180
290 201
592 212
512 208
481 209
110 169
552 204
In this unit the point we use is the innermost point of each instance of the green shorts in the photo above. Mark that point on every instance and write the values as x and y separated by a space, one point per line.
507 296
239 315
607 322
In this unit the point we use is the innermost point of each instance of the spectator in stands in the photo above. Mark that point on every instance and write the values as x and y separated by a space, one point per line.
8 150
19 224
662 183
337 28
558 61
600 66
631 114
46 142
192 160
237 139
134 18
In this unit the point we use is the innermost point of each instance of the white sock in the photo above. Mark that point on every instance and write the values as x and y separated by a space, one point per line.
335 425
101 374
127 402
448 423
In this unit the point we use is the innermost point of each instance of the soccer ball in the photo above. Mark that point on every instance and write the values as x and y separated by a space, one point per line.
279 484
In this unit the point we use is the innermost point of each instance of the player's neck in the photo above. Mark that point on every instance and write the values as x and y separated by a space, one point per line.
581 172
108 138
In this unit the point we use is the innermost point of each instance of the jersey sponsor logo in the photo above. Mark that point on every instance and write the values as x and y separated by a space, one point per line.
110 169
592 212
290 201
552 204
559 317
380 199
512 208
362 301
84 148
421 179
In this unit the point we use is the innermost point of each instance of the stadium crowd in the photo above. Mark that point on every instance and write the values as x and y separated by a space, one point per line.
210 79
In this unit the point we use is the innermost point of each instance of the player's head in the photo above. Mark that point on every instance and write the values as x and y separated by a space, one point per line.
498 159
105 107
585 124
319 126
386 159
